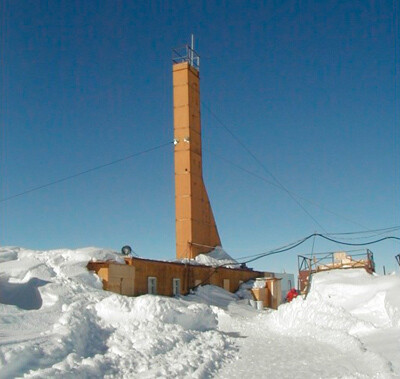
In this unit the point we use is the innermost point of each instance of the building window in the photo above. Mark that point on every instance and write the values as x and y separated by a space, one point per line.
176 286
152 285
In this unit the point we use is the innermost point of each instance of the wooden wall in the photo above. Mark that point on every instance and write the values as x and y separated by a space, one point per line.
132 279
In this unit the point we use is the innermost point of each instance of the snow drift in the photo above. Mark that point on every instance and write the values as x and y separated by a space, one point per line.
71 327
56 321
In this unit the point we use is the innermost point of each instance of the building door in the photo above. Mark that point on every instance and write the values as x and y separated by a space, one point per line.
152 285
226 285
176 286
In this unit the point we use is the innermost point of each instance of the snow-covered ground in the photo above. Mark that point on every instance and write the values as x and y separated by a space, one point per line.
56 321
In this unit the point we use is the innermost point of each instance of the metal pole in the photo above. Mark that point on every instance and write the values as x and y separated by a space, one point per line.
191 50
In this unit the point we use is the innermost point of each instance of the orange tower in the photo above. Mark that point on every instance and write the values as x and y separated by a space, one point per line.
196 231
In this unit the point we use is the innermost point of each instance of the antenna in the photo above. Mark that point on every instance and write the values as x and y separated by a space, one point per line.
187 53
191 50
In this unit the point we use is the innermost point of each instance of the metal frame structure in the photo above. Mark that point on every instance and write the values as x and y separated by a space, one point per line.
326 261
188 54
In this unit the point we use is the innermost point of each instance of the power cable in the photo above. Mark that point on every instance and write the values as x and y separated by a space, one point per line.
358 244
86 171
273 252
290 247
369 236
277 186
301 241
280 247
237 139
251 260
390 229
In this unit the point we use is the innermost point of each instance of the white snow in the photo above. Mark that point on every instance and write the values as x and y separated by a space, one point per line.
217 257
56 321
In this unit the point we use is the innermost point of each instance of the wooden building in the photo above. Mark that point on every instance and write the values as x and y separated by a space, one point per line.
142 276
196 230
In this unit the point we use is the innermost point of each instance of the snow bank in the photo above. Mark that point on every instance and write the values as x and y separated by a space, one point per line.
213 295
56 321
372 298
118 310
343 306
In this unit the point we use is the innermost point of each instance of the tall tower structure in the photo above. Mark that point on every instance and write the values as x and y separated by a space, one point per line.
196 231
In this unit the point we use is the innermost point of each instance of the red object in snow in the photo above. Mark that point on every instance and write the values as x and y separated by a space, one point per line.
291 295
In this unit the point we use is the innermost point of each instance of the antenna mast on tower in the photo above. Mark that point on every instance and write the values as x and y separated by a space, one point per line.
188 54
191 50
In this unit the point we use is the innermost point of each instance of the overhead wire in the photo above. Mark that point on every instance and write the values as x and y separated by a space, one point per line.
375 232
300 242
281 250
370 235
238 140
315 234
86 171
389 229
289 247
277 248
272 252
361 243
277 186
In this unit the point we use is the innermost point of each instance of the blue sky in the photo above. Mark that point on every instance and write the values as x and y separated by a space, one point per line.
308 86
